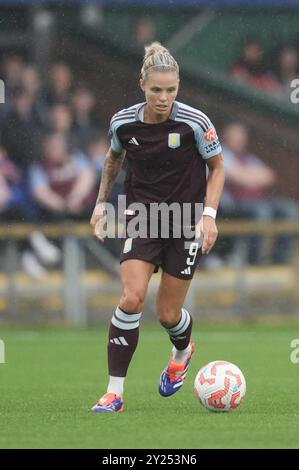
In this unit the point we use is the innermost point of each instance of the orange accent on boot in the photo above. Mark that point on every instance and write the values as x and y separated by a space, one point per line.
108 398
176 370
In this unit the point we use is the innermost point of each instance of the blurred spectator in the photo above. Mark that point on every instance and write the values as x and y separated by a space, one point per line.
287 70
11 73
250 67
96 150
21 131
10 193
61 120
12 69
92 15
246 193
144 31
60 84
83 103
62 184
31 82
15 205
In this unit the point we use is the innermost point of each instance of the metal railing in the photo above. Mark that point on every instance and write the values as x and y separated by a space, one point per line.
77 241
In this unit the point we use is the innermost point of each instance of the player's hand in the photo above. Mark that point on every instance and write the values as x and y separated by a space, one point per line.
98 219
206 227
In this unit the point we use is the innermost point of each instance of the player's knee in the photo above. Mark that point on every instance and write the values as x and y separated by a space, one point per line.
132 301
168 317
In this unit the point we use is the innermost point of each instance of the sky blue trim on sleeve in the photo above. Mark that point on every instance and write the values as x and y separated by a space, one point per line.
198 132
205 149
115 142
213 153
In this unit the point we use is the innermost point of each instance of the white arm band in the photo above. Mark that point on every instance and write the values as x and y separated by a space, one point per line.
210 211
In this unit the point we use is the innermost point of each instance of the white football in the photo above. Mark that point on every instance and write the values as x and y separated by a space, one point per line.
220 386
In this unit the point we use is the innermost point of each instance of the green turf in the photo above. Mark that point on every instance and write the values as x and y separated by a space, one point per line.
52 377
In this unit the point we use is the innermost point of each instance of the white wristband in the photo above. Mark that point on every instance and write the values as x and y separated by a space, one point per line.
210 211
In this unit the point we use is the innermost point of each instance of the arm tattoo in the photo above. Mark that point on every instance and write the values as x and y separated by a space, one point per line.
111 168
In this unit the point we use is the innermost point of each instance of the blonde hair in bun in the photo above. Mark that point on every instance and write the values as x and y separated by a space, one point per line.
158 58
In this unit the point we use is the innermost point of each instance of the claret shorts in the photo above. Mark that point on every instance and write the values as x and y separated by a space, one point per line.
178 257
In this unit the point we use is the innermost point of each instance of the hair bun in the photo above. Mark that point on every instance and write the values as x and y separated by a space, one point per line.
158 57
154 48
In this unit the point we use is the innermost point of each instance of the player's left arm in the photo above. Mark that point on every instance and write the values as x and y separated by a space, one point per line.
215 184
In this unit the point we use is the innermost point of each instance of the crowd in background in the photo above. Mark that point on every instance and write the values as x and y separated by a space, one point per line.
268 71
51 146
248 194
272 73
52 150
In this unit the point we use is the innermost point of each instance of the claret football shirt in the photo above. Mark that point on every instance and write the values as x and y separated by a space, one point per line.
166 161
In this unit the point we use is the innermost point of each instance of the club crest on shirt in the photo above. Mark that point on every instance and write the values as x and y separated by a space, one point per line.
174 140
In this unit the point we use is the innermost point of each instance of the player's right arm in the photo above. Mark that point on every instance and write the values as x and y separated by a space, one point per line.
112 165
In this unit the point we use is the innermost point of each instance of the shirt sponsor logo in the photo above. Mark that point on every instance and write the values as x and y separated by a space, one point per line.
211 147
211 135
174 140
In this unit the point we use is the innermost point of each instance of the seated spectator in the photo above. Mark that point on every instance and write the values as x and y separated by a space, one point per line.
63 187
246 193
31 82
10 192
12 69
144 31
61 120
60 84
96 150
15 205
287 70
250 67
11 73
62 184
83 103
21 131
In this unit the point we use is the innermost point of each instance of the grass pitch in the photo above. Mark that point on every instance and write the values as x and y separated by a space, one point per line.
52 377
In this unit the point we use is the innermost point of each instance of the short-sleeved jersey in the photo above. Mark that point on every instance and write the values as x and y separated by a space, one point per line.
166 161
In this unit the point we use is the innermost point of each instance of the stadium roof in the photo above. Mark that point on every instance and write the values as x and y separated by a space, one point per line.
157 3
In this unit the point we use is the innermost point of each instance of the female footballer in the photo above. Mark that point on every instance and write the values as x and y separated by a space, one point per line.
168 146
